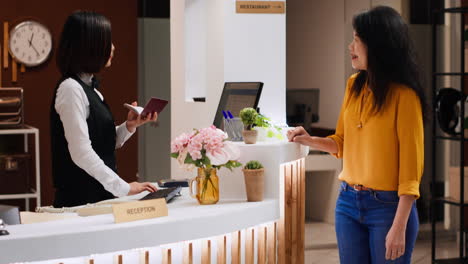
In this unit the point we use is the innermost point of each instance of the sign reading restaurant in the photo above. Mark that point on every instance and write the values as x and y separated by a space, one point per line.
260 7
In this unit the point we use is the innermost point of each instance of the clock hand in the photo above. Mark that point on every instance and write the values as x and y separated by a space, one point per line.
34 48
30 41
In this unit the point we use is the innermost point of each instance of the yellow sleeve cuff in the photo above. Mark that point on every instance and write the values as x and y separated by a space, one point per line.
339 142
409 188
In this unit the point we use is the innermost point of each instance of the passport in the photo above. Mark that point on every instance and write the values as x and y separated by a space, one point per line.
153 105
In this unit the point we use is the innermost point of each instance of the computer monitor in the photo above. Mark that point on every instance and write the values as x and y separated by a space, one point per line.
302 106
235 97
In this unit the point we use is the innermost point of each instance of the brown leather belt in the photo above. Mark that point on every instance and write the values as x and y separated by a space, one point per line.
359 187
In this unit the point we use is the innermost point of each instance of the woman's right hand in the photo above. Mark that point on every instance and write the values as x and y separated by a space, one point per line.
138 187
299 135
135 120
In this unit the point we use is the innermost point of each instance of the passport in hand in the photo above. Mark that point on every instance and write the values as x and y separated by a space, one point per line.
153 105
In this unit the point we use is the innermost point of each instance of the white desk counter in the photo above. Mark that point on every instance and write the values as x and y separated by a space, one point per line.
232 218
84 236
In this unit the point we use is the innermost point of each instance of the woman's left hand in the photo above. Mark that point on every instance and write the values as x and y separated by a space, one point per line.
395 242
135 120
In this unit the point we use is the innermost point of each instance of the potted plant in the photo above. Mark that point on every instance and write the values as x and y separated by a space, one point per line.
249 116
254 176
267 131
207 150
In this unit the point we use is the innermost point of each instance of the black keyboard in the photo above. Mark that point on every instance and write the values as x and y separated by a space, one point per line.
168 194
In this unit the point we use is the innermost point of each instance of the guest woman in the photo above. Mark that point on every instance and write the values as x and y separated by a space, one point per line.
380 137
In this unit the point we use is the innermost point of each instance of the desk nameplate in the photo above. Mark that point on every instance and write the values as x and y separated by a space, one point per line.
139 210
260 7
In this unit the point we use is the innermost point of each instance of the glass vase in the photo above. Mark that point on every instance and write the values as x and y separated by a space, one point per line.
207 186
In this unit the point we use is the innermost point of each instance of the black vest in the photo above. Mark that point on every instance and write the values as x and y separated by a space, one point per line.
73 185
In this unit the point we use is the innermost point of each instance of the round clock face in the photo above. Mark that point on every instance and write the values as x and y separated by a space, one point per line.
30 43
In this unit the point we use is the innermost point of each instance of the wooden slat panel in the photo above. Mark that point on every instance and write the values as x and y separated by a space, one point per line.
188 253
221 252
288 213
281 242
249 246
1 68
206 252
261 245
14 71
167 256
23 68
271 240
5 44
282 222
294 210
301 225
146 257
236 247
119 259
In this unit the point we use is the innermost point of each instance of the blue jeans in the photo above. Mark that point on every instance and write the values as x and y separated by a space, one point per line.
362 221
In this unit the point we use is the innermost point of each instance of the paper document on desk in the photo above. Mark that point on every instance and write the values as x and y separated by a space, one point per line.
31 217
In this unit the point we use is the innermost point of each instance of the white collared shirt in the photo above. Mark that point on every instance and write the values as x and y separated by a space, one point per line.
72 105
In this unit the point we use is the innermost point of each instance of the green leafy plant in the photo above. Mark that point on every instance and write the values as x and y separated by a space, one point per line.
248 116
253 165
262 121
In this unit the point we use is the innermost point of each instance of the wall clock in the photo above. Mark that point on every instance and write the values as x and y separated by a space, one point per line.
30 43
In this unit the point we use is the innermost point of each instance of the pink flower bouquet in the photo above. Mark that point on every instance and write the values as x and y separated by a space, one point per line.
206 148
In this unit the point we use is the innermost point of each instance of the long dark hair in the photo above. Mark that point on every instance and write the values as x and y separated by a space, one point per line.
390 56
85 44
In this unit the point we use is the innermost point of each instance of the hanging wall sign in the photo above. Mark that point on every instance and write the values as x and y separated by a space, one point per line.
260 7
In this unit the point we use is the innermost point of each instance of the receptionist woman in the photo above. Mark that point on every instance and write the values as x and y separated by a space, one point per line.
83 134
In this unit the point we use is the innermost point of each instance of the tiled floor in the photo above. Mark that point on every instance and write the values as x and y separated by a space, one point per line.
324 250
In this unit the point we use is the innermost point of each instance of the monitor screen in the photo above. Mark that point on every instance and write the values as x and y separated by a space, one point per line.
235 97
302 106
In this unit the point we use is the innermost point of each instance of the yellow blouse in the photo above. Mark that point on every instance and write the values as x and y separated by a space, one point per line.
383 151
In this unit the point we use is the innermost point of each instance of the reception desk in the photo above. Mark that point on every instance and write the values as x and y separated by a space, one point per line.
231 231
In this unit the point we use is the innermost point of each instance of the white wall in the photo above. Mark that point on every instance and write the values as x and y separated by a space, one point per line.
316 54
238 47
195 31
255 50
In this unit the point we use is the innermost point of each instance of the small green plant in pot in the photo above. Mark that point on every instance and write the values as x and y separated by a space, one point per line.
254 176
266 130
249 116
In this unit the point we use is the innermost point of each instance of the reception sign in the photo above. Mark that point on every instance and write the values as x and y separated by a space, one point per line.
139 210
260 7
